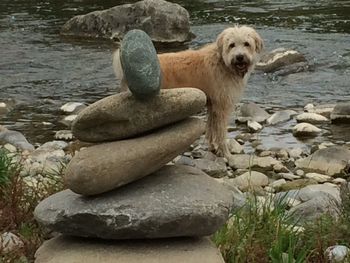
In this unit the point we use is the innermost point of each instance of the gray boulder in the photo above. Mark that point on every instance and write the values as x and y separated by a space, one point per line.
163 21
64 249
140 64
278 59
15 138
341 113
100 168
174 201
122 116
252 112
280 116
216 168
331 161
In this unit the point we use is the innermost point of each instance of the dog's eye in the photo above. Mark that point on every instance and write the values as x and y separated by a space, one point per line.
246 44
232 45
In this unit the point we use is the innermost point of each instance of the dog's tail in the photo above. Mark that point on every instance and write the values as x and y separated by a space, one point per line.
118 69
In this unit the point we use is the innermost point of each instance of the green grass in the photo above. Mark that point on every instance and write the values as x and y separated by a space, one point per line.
17 203
265 232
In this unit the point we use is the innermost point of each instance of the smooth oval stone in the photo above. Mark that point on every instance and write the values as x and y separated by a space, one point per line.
103 167
140 64
175 201
122 116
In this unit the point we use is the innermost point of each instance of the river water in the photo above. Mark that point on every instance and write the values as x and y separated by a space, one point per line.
41 71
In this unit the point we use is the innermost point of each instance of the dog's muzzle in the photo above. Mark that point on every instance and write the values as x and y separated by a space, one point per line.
240 63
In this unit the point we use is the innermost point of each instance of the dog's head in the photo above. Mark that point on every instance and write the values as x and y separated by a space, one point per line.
239 46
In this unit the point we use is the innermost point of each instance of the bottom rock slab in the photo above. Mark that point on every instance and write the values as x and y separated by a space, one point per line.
64 249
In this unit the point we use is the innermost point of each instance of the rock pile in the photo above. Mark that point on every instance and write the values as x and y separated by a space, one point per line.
121 188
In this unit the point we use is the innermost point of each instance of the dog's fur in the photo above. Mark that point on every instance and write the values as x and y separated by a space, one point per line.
220 69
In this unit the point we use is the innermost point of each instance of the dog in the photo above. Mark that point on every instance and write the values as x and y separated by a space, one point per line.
220 69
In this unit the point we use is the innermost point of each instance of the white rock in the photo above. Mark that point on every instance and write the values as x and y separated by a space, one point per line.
309 107
68 120
289 176
10 242
337 253
250 180
10 148
324 145
45 123
311 118
305 129
71 107
339 180
64 135
254 126
295 152
280 116
320 178
278 183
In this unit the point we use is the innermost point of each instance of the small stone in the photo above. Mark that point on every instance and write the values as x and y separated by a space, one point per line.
337 253
252 111
296 184
300 172
296 152
14 138
305 129
309 107
234 146
73 107
9 147
320 178
278 183
250 179
215 169
101 168
142 73
9 242
280 168
280 116
63 249
121 116
340 181
324 110
245 161
289 176
172 202
68 120
66 135
282 154
311 118
254 126
265 153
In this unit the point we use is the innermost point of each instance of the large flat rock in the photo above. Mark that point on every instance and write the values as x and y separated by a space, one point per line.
106 166
175 201
122 116
68 250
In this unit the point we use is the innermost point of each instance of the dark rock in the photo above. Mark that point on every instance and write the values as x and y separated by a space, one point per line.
163 21
15 138
341 113
253 112
140 64
174 201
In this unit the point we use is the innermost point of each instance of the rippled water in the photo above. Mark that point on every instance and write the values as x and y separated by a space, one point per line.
41 71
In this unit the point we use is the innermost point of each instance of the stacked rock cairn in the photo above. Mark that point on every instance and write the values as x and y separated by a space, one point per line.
125 202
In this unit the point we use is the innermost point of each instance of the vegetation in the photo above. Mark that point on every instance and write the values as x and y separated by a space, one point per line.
266 232
18 198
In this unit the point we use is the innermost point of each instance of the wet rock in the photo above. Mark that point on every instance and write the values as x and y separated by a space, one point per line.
233 146
174 201
163 21
68 120
324 110
64 249
254 126
250 180
278 59
142 73
320 178
15 138
245 161
341 113
311 118
337 253
330 161
280 116
215 168
305 130
73 107
4 109
122 116
9 242
294 68
103 167
253 112
66 135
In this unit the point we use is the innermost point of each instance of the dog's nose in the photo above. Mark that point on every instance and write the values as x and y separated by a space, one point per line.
240 57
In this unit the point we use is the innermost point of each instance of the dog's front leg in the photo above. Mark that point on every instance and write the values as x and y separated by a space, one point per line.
218 115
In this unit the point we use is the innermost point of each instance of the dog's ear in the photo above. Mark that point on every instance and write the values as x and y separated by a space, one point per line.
220 42
259 43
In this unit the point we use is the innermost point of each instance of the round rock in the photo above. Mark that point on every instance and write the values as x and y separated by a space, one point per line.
122 116
103 167
174 201
140 64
